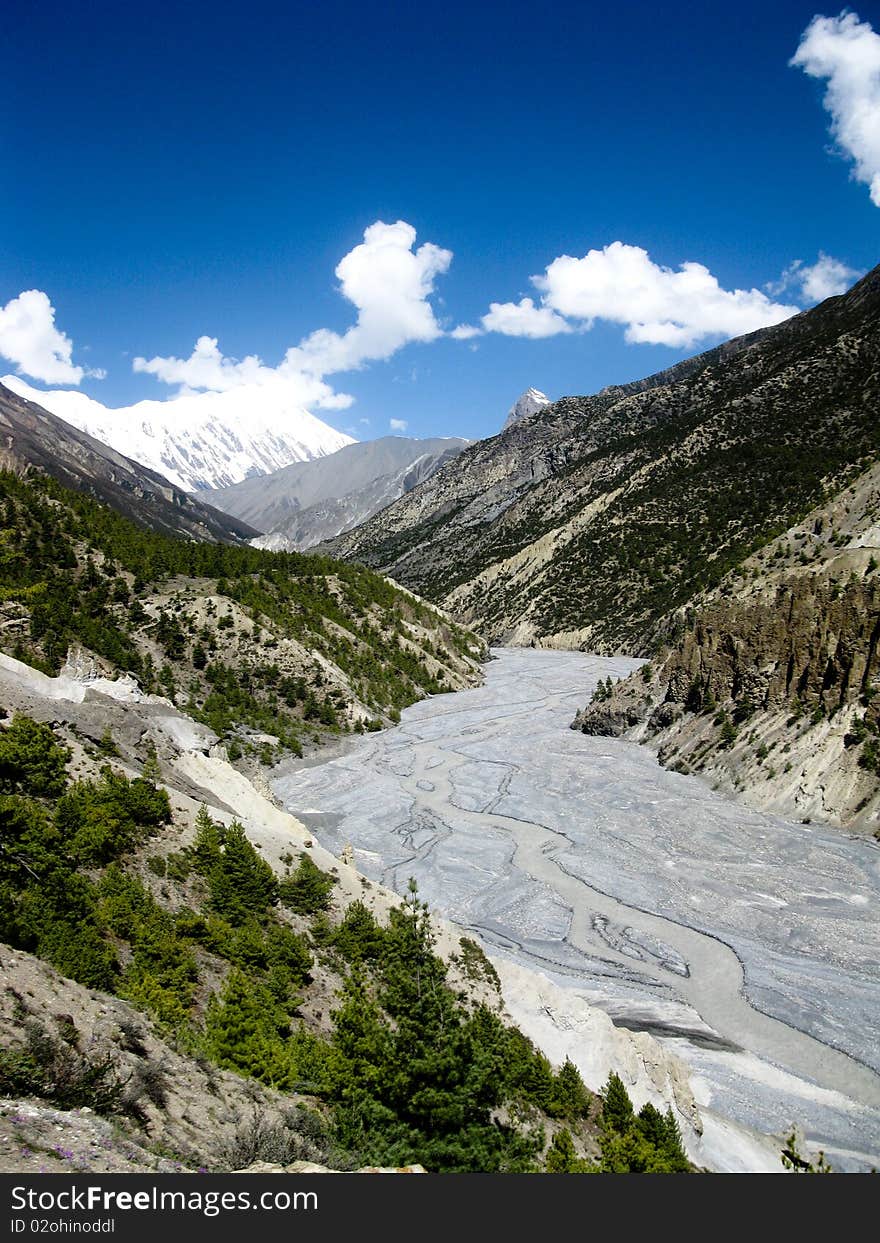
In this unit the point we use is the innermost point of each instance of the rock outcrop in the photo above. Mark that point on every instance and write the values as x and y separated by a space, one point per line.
772 686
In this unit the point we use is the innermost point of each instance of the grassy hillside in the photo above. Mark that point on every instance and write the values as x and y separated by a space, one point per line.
252 643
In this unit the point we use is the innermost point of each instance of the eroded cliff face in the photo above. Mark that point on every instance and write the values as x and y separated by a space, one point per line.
813 643
771 689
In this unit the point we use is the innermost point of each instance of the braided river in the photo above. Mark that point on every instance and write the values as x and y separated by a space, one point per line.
747 944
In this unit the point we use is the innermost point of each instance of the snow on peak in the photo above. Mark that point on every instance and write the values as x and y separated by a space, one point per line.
200 440
530 401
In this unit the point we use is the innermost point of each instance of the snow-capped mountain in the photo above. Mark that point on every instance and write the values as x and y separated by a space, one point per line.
531 400
33 437
203 440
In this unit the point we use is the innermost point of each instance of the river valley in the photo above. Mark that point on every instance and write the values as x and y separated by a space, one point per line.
749 945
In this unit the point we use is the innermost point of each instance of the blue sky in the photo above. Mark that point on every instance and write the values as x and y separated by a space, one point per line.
174 172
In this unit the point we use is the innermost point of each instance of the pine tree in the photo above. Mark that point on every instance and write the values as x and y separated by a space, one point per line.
362 1039
652 1125
307 890
243 1032
151 771
241 884
107 743
538 1083
209 838
617 1109
673 1145
414 992
358 936
570 1098
32 761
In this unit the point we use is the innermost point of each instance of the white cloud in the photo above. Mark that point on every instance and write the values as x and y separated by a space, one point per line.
30 340
846 52
208 370
524 319
389 282
514 319
385 278
398 425
656 305
823 279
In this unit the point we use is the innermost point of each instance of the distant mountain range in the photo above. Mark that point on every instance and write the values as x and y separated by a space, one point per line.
721 517
292 479
205 440
307 502
33 438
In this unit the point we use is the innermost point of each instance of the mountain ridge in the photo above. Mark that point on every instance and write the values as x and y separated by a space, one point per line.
307 502
769 689
197 441
32 438
591 523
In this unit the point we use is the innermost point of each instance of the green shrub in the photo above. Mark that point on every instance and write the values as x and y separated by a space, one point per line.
357 937
562 1158
100 821
56 1071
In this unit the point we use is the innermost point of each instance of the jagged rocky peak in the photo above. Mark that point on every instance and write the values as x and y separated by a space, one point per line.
530 401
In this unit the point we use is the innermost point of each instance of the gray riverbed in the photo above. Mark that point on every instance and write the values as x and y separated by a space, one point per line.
749 944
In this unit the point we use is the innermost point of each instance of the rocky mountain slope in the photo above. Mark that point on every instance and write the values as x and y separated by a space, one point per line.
307 502
771 688
203 440
117 1096
32 438
592 521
